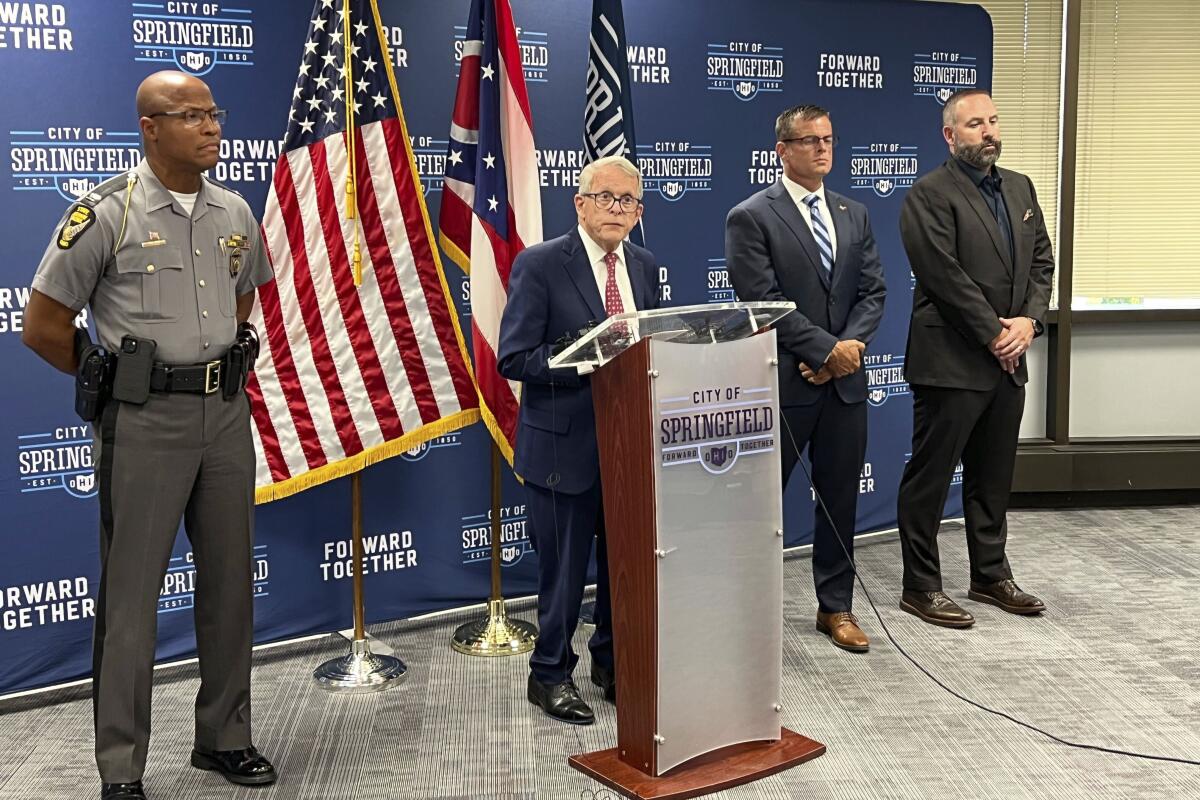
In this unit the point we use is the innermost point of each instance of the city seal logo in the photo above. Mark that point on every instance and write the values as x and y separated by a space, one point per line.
81 485
70 159
885 377
883 167
79 220
744 69
58 459
675 168
195 37
719 458
940 73
715 426
194 62
418 452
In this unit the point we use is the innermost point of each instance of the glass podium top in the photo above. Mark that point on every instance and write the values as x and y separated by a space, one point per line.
699 324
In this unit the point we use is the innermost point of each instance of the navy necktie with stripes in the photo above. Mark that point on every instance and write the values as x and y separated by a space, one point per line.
820 232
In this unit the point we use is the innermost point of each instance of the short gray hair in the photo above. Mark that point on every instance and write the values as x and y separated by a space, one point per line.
620 162
950 110
785 121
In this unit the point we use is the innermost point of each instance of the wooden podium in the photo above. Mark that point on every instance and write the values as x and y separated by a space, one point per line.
686 406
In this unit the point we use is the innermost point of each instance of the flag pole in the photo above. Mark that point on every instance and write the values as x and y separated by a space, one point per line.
495 634
361 670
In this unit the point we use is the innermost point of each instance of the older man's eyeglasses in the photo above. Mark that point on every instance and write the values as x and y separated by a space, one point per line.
811 142
194 117
605 200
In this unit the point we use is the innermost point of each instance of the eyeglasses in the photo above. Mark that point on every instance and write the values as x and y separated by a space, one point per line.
811 141
605 200
194 117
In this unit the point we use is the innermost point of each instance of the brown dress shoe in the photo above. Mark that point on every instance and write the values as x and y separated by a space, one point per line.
1006 595
842 629
935 608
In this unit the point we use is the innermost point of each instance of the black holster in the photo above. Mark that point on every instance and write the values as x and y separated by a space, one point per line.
93 377
238 361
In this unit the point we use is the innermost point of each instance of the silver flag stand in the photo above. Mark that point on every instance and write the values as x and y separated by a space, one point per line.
361 671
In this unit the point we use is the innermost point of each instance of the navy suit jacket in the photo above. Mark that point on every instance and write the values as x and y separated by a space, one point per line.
771 254
552 292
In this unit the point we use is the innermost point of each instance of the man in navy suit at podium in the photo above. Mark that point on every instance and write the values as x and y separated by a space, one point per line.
798 241
557 289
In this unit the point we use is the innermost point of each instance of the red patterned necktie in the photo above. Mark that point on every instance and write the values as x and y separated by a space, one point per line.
612 294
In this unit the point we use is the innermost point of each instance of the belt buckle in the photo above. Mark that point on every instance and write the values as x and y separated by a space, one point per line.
212 377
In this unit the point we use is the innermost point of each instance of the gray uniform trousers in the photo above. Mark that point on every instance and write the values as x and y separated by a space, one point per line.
178 456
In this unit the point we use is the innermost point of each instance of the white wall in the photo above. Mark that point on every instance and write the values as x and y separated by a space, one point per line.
1033 424
1134 379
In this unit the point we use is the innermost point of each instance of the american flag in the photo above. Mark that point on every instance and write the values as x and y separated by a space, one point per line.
491 201
349 375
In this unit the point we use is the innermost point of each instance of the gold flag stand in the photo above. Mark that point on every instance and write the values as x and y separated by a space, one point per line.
361 670
497 634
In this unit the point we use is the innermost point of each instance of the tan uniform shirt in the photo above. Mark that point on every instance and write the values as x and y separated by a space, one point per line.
166 276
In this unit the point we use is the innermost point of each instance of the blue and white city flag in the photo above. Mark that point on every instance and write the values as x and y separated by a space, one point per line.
608 110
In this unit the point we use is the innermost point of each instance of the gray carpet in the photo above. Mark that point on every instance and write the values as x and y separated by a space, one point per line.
1113 662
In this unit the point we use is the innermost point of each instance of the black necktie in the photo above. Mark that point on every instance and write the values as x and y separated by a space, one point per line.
991 189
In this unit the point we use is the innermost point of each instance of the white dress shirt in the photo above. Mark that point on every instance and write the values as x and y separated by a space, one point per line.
798 194
595 254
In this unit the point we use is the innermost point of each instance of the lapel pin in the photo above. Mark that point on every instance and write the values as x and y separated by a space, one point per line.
841 207
1028 215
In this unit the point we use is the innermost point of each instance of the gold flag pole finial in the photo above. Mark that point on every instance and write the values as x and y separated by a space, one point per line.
351 171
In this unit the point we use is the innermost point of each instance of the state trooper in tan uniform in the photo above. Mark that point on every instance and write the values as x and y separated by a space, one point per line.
168 261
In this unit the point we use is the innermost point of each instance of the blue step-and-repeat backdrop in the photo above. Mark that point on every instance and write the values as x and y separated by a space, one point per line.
705 142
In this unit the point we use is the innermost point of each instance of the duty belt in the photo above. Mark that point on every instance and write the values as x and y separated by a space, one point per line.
191 378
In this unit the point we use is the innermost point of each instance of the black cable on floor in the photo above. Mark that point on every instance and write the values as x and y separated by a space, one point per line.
930 675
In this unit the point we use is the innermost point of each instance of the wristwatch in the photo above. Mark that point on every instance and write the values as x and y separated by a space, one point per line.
1038 327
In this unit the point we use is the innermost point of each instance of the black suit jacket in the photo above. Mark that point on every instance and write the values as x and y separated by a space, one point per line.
553 293
967 278
771 254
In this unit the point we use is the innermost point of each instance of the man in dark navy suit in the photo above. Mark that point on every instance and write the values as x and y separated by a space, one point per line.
558 288
798 241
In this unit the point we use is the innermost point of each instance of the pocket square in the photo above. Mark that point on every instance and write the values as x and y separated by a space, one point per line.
1028 215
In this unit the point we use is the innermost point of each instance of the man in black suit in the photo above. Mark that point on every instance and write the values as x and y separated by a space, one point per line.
557 288
978 246
798 241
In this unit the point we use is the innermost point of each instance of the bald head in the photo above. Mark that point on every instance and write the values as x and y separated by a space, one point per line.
166 91
179 146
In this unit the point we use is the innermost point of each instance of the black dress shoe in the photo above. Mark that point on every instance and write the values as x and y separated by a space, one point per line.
935 608
1006 595
561 701
605 678
247 767
122 791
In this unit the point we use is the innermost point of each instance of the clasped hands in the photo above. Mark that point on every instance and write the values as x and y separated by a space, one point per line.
845 359
1012 342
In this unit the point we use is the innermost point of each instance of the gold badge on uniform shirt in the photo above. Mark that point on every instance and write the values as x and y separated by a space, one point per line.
235 245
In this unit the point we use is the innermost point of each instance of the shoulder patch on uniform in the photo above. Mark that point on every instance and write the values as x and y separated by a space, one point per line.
111 186
79 219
